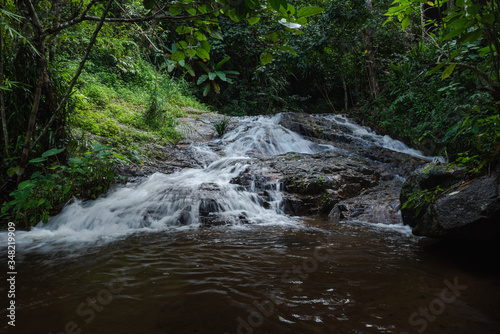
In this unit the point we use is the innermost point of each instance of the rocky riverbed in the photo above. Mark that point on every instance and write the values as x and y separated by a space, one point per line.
356 179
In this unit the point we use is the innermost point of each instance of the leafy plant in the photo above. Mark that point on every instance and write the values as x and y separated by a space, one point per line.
221 125
54 184
420 199
212 73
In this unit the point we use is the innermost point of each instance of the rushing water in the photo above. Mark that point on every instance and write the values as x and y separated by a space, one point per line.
140 261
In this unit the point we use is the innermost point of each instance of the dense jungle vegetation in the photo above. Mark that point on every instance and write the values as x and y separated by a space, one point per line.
86 84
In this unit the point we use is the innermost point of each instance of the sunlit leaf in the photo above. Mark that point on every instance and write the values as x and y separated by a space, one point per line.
309 11
253 20
448 71
266 58
202 53
178 55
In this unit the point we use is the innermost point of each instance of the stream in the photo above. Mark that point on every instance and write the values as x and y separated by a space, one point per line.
195 252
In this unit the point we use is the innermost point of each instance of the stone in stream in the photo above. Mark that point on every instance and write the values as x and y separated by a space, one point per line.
467 209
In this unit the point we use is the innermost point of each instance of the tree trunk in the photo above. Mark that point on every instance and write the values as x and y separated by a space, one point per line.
31 126
370 57
2 101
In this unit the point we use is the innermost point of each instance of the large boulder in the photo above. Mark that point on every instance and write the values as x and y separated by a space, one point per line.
466 209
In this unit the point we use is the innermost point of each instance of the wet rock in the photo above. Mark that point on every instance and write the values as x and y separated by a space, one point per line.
379 204
467 209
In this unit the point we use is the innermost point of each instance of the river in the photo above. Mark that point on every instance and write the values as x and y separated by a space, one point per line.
141 260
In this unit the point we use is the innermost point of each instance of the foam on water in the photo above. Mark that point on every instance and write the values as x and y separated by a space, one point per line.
371 138
193 197
184 199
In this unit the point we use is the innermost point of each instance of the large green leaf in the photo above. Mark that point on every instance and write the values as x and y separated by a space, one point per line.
309 11
190 70
212 75
178 55
254 19
52 152
37 160
182 45
266 58
202 53
405 22
221 75
202 79
191 10
448 71
206 90
205 45
13 170
275 4
272 36
222 62
288 50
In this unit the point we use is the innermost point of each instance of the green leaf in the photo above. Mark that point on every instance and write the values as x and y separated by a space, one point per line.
191 10
200 36
253 20
182 45
266 58
202 79
309 11
289 11
178 55
205 45
191 52
206 90
38 160
275 4
119 156
221 75
175 10
75 161
189 69
473 36
453 33
212 75
52 152
406 22
435 69
302 21
13 170
202 53
288 50
26 184
272 36
148 4
222 62
448 71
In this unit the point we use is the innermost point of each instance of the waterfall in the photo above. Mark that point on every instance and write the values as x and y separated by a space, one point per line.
199 197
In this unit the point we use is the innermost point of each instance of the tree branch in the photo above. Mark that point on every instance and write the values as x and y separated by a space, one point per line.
77 75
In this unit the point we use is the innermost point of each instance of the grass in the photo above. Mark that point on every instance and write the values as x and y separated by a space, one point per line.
128 113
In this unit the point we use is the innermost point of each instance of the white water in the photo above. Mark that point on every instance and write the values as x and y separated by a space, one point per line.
371 138
190 197
184 199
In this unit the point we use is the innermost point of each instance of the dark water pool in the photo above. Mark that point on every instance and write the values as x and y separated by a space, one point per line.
318 278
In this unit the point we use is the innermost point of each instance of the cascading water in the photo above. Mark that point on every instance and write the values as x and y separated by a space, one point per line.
369 137
192 197
266 273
